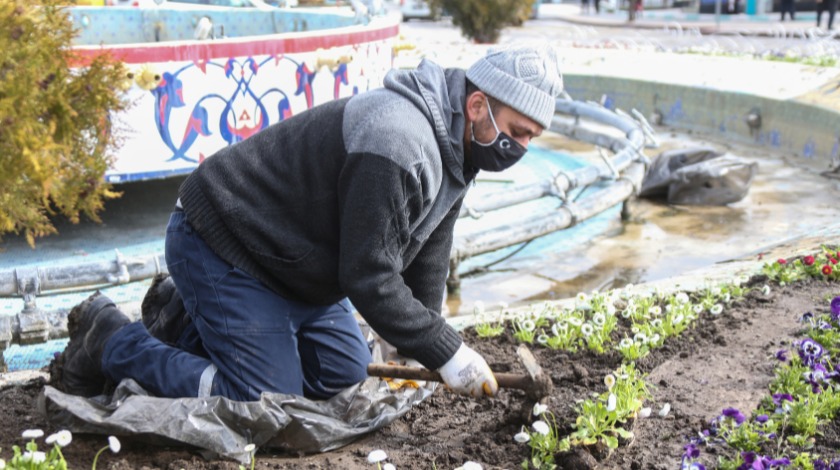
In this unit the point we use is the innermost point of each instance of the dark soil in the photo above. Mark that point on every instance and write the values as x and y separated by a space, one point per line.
725 361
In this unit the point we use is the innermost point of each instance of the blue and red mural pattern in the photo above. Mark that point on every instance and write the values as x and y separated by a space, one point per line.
244 104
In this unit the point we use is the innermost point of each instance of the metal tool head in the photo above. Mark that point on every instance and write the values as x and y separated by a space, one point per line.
541 383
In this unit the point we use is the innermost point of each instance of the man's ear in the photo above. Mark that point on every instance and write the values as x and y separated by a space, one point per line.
475 102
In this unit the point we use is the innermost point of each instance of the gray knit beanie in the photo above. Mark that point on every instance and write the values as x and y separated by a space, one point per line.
526 78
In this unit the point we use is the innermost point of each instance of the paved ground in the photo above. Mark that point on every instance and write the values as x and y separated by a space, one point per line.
682 20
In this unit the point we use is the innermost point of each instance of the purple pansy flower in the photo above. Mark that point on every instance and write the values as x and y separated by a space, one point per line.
781 355
835 308
752 461
779 397
825 465
734 414
762 418
807 317
810 351
691 451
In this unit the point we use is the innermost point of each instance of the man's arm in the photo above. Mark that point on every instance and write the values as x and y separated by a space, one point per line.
378 200
426 276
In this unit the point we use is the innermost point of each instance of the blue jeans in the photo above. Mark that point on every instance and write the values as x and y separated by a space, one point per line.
244 339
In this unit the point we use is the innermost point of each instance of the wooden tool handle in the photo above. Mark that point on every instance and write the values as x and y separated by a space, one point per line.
505 380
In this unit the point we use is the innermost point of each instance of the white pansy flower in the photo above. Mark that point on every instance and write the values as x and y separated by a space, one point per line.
587 329
716 291
625 343
114 444
765 290
389 466
559 327
376 456
611 402
539 409
250 448
655 310
682 298
727 297
470 465
2 464
575 321
541 427
678 319
698 309
666 408
34 457
716 309
528 325
542 339
640 338
610 309
581 297
609 379
656 323
522 437
668 308
644 412
599 319
62 438
32 433
654 339
626 313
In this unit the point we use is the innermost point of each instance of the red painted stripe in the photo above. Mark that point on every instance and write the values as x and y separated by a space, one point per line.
182 51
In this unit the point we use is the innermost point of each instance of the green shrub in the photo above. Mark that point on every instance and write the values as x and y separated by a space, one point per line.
55 133
483 20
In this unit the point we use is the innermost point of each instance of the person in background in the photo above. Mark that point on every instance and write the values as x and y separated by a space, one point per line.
789 7
831 7
272 239
584 7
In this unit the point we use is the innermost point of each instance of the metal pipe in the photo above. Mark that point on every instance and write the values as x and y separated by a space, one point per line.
542 224
61 278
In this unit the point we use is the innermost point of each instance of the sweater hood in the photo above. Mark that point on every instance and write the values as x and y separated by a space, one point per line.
439 94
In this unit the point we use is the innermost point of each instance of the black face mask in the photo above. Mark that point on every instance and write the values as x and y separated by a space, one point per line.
500 154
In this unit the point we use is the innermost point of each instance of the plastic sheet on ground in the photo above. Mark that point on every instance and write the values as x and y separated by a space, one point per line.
698 176
223 427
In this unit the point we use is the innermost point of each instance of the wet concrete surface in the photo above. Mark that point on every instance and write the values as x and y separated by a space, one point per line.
789 198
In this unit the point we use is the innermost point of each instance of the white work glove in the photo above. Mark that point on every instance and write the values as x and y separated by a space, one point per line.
468 373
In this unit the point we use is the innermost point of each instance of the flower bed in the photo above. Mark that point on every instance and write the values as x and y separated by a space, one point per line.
641 381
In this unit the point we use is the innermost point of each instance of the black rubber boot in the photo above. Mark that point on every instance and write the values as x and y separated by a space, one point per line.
163 311
78 370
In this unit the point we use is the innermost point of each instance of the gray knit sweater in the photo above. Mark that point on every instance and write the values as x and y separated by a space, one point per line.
356 197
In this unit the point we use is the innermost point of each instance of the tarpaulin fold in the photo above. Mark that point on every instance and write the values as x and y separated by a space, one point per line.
223 427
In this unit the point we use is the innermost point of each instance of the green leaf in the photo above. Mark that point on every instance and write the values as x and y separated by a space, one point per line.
625 434
611 441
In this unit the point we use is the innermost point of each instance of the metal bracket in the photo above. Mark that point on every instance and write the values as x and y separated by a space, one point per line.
122 276
473 213
5 333
32 324
555 189
573 210
615 174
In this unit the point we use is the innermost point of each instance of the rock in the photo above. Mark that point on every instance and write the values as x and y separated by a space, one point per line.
577 459
580 372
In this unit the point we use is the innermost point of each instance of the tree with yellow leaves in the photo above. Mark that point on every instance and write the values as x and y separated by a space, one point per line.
56 137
